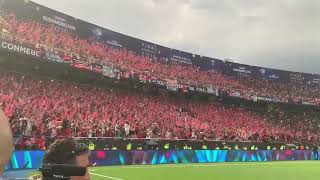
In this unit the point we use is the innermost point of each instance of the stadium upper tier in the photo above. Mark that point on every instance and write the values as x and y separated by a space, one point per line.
50 108
52 38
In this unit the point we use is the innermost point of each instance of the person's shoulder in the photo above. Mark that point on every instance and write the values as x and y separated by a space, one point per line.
36 177
6 178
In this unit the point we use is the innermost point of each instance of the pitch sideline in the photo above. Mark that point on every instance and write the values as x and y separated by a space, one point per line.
207 165
108 177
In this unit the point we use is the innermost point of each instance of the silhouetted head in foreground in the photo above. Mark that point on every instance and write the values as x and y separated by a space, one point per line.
6 145
69 152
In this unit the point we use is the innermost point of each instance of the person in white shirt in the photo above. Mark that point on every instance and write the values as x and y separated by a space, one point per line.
90 133
193 135
117 130
5 142
168 135
127 129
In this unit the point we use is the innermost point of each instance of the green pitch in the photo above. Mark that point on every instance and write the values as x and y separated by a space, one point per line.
298 170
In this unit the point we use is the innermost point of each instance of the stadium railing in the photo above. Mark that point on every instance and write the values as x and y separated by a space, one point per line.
113 143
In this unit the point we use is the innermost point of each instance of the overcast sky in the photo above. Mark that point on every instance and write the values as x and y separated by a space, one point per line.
283 34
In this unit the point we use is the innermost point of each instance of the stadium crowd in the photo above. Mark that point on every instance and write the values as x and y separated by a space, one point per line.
71 47
55 108
50 108
64 42
281 92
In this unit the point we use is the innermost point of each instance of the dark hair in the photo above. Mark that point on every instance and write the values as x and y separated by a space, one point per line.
64 151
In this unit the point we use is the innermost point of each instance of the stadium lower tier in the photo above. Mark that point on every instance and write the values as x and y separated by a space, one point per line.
33 159
43 107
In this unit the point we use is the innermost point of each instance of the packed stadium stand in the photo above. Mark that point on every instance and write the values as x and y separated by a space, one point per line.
51 108
73 47
41 107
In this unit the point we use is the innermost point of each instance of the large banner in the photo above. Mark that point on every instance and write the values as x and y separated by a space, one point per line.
108 71
107 158
20 48
33 159
25 160
236 69
266 73
315 79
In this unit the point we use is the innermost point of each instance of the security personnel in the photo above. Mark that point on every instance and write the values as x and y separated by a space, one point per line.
92 146
129 147
315 152
204 147
167 146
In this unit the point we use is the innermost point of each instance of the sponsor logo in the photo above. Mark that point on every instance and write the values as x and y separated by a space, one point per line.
59 18
316 81
308 103
200 89
161 83
59 21
181 59
53 57
114 43
108 71
264 99
296 76
235 94
149 50
274 77
212 63
97 32
20 49
242 70
191 88
263 71
210 90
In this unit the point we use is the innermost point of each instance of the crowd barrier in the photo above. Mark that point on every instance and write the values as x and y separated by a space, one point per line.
33 159
128 144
